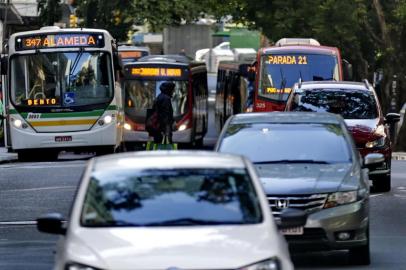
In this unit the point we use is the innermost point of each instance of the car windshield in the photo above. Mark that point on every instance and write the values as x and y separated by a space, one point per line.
350 104
140 96
287 143
279 72
130 197
61 79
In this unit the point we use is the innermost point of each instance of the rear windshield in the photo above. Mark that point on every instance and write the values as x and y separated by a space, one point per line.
350 104
170 198
325 143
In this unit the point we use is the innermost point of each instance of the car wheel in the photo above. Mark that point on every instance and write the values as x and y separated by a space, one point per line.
360 255
383 183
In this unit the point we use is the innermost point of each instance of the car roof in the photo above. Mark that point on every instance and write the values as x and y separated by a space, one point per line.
169 160
287 117
334 85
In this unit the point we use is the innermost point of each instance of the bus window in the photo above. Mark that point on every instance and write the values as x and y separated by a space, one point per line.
140 96
279 72
61 79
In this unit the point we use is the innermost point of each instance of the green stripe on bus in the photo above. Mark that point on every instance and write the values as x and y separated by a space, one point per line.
112 107
68 114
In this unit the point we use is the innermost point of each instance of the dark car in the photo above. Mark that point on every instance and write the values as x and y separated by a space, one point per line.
358 104
308 161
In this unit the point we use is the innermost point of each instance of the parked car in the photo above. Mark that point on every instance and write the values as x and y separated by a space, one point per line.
358 104
308 161
170 210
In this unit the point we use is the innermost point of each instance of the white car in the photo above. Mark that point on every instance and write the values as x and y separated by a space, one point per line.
170 210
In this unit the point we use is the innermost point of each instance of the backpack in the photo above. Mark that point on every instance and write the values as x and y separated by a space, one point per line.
152 125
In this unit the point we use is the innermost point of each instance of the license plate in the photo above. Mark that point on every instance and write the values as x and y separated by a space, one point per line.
63 138
292 231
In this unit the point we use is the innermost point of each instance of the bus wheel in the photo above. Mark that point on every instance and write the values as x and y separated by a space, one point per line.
105 150
25 156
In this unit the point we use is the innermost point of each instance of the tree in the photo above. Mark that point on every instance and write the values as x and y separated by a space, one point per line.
50 12
116 16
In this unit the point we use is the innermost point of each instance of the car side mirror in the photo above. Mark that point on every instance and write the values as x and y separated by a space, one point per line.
3 65
51 223
291 218
392 118
347 70
373 161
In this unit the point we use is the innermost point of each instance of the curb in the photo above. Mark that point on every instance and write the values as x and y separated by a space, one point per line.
399 156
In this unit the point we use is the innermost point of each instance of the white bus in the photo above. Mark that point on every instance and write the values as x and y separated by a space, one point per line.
62 93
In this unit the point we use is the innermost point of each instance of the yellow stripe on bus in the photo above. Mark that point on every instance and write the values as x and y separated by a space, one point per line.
63 123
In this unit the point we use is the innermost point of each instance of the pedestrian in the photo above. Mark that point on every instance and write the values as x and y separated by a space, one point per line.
163 106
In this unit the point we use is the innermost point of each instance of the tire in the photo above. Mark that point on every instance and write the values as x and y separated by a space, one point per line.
383 183
25 156
105 151
360 255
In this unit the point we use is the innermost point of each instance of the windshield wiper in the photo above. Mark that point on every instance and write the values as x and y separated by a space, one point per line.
293 161
189 221
115 223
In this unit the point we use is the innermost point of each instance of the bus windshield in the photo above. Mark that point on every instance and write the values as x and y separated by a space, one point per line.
279 72
61 79
140 96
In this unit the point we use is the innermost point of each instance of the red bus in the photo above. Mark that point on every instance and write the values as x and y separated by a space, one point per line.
290 60
142 80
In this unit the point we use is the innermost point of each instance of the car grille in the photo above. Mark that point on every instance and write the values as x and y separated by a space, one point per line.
308 203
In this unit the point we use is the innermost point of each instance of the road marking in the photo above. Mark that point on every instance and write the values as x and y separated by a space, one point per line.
375 195
38 189
30 222
53 165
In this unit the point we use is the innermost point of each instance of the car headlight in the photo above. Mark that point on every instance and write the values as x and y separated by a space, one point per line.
340 198
377 143
270 264
77 266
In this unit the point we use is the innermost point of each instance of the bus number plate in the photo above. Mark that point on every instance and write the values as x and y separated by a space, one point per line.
63 138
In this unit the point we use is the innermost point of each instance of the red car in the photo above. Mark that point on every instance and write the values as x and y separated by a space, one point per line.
358 104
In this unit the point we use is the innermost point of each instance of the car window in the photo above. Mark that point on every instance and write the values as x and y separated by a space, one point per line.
170 197
350 104
266 142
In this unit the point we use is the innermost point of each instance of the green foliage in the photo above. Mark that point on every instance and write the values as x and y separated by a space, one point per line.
116 16
49 12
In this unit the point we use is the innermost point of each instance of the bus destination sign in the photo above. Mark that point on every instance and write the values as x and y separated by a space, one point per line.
156 72
68 40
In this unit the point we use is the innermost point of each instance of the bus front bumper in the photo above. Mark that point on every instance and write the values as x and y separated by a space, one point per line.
107 135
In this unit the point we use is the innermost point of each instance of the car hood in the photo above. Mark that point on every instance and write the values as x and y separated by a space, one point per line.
280 179
214 247
363 130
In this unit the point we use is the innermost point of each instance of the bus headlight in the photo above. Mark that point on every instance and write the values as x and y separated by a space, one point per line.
183 126
127 126
17 123
108 119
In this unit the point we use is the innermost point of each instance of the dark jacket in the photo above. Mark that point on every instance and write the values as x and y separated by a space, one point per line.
165 113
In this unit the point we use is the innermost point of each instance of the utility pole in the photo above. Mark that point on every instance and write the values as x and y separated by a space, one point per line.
5 29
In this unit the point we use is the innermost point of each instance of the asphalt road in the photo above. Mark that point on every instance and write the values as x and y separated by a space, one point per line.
28 190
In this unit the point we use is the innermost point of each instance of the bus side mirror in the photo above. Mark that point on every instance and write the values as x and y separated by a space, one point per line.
4 65
347 70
